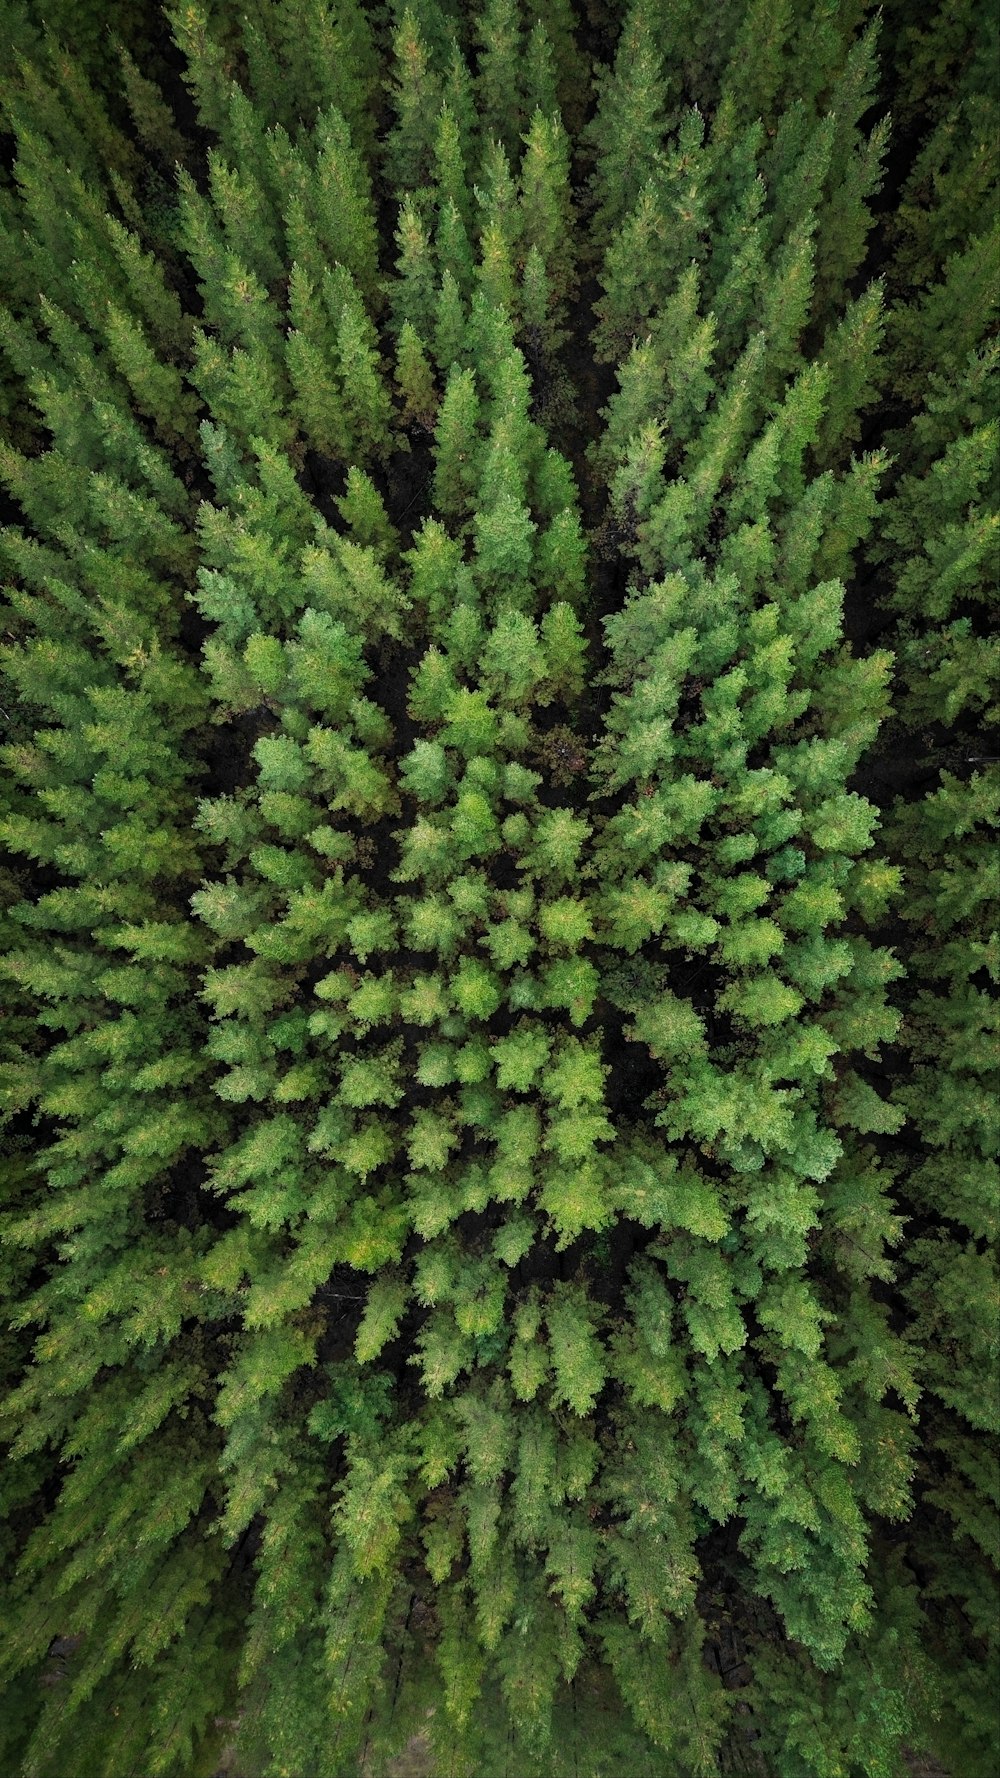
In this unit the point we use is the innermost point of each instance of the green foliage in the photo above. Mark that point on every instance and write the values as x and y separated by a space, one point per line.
519 1057
497 911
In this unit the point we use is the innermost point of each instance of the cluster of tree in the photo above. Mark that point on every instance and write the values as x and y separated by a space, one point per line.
500 1197
937 556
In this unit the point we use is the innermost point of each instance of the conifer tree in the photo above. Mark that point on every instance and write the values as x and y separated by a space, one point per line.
416 96
547 224
630 124
500 88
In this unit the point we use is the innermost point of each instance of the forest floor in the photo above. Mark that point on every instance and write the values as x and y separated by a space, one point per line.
922 1767
415 1762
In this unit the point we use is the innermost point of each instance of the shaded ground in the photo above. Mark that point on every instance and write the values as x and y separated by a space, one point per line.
416 1762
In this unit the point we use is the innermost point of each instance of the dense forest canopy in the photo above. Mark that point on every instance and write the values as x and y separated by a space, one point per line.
498 889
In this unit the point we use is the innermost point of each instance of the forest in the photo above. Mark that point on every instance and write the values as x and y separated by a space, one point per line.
498 889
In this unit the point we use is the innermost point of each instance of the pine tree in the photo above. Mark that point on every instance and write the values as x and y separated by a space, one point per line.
499 85
414 288
555 29
416 98
457 444
630 124
546 208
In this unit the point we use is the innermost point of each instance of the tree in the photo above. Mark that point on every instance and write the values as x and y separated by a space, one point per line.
546 208
500 89
415 379
456 444
415 96
630 121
